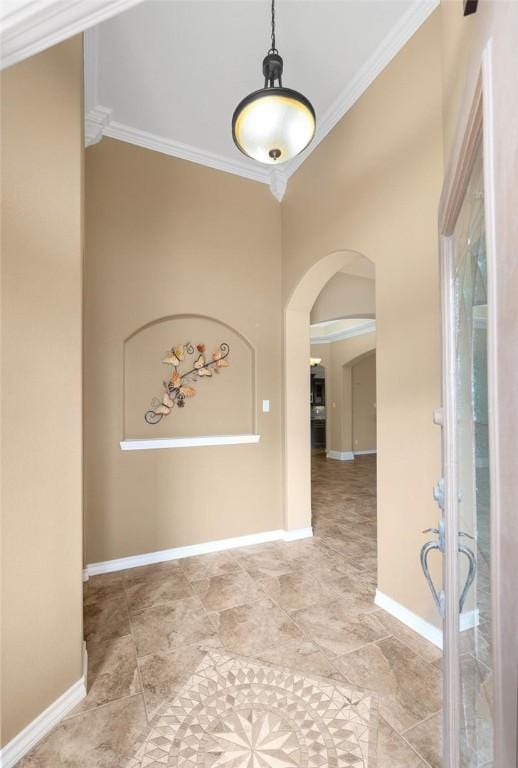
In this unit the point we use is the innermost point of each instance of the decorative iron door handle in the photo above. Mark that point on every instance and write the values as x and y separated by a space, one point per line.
465 550
425 551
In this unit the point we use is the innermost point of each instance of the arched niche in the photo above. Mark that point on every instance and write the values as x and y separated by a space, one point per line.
224 403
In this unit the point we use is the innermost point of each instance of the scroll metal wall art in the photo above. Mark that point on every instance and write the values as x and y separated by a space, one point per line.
178 389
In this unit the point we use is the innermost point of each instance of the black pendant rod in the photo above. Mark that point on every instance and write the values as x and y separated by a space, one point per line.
273 49
272 63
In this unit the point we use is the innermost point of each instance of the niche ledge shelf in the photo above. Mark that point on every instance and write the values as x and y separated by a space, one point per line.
186 442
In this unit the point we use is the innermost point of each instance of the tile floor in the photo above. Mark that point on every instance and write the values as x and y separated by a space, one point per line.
235 712
307 605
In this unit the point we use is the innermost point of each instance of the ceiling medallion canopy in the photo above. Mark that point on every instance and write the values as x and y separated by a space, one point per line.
274 124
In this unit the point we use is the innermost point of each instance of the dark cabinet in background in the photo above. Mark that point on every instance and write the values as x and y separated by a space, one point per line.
318 391
318 421
318 433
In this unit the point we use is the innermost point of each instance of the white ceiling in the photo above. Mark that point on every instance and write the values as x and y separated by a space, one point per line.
168 73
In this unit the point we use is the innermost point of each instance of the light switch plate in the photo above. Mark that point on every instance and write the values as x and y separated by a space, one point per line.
266 406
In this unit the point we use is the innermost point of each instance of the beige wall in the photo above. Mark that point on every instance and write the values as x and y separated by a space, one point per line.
378 176
41 382
364 403
345 296
166 237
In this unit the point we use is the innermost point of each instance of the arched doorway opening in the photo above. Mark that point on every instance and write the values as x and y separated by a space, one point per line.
297 448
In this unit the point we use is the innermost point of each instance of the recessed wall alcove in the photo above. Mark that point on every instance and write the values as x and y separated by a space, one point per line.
224 403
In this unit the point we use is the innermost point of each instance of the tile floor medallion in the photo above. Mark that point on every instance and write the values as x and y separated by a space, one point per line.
286 634
236 713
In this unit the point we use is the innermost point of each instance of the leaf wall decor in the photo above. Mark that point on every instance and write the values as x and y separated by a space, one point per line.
178 389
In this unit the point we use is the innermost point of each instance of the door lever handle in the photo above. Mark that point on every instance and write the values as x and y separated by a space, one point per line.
438 597
472 569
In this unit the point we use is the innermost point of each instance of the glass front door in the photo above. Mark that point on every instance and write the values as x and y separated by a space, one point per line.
468 680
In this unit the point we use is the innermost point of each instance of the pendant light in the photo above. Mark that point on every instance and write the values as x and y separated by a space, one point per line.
273 124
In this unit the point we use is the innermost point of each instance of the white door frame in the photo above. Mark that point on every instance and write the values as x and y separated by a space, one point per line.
477 128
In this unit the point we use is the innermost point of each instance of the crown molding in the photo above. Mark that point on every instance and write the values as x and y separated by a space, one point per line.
98 118
360 330
407 26
34 26
98 122
116 130
95 122
278 183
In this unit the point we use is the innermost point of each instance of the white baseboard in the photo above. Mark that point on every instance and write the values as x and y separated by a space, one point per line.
85 574
340 455
430 632
18 747
85 665
134 561
298 533
365 453
410 619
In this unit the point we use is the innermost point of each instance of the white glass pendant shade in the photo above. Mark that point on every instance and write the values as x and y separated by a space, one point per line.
273 125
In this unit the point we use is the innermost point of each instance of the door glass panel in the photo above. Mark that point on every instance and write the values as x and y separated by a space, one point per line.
472 449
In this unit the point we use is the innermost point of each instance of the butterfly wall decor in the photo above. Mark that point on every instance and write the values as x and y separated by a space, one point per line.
178 389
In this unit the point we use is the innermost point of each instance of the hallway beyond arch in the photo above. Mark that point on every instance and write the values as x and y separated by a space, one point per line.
297 452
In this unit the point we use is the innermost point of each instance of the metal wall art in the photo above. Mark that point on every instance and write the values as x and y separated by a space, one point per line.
178 389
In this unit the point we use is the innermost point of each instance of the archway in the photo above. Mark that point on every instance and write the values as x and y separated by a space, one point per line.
297 452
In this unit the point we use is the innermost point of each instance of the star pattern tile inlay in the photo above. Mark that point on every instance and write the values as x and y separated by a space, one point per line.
255 738
235 713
